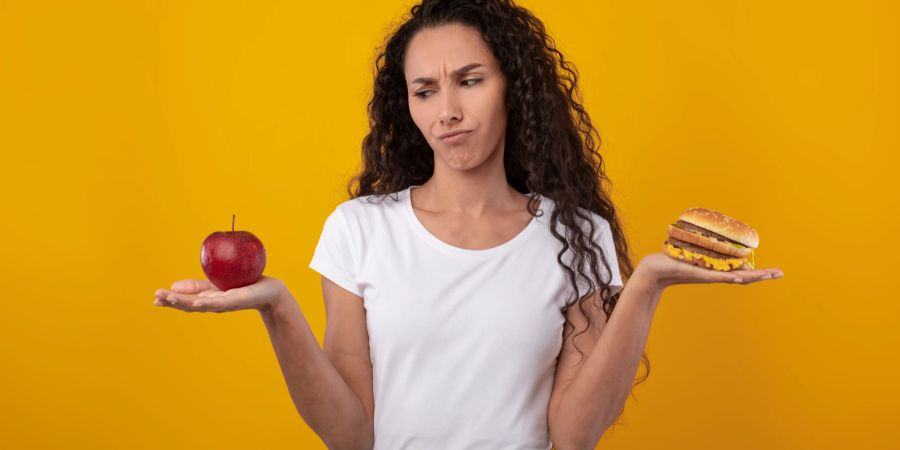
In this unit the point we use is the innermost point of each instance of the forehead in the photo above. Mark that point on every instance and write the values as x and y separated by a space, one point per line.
435 51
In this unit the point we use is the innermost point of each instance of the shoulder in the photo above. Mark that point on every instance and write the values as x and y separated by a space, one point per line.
367 206
584 217
366 217
600 224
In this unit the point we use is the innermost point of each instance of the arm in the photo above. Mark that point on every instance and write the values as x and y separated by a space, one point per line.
598 392
322 397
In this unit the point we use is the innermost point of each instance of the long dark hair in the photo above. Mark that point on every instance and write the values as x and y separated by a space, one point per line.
550 148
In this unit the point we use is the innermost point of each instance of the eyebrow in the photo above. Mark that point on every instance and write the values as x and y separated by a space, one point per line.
455 73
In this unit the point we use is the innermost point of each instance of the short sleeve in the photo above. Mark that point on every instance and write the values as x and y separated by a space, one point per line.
608 245
334 255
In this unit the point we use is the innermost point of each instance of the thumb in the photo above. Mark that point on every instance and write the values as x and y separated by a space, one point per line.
192 286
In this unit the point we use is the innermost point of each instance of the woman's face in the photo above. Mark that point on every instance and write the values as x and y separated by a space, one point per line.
454 83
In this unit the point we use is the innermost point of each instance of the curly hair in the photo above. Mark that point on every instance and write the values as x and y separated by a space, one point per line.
550 147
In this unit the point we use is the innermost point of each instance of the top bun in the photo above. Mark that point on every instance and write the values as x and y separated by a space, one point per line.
721 224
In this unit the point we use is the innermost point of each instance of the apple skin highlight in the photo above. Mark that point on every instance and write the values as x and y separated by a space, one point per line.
232 259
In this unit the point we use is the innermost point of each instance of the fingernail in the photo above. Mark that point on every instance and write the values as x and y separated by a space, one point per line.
767 276
173 300
778 275
737 280
157 303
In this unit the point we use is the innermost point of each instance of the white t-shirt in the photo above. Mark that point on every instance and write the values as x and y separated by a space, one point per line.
464 343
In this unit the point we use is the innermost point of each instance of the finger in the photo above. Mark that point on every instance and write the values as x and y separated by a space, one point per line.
210 293
163 295
176 301
217 304
160 297
196 303
223 302
769 274
752 276
181 301
756 272
192 286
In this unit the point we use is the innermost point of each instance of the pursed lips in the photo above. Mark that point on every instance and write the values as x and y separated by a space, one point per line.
453 133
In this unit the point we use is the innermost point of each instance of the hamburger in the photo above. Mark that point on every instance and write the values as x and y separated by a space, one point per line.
712 240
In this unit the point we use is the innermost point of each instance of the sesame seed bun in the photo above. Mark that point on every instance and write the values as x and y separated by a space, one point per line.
723 225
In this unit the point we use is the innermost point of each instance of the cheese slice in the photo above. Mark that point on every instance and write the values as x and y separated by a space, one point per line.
717 263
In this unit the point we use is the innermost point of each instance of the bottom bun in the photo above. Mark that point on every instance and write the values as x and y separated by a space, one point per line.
707 262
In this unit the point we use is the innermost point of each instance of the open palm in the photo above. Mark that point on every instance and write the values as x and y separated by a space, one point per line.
669 271
203 296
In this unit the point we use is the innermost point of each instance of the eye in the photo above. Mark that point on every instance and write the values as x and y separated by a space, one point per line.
471 81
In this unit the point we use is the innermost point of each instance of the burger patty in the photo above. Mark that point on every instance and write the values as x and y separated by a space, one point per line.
697 249
691 227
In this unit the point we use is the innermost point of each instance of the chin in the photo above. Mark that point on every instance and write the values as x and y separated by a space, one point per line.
462 158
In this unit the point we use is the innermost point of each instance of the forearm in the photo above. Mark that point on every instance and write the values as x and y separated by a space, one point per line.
326 403
598 392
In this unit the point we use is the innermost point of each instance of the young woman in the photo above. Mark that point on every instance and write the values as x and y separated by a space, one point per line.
449 275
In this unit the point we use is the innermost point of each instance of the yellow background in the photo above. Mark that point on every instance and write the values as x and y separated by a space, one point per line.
131 130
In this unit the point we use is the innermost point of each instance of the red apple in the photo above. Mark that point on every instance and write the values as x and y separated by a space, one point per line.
231 259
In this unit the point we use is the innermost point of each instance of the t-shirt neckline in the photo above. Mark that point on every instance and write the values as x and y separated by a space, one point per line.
465 252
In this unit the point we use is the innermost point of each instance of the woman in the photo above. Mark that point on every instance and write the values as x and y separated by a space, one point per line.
479 219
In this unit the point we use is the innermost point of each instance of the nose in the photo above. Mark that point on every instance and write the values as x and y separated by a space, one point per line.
450 110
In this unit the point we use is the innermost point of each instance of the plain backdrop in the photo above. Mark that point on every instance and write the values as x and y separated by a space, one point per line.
129 131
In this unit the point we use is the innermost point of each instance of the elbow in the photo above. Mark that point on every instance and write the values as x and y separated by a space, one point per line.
366 444
357 438
584 439
362 441
575 443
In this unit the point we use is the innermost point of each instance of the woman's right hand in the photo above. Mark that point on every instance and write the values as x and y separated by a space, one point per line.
203 296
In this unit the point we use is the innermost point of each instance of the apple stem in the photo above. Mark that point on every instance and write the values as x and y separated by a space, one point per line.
232 223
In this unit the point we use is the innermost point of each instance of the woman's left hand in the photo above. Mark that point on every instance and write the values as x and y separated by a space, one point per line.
667 271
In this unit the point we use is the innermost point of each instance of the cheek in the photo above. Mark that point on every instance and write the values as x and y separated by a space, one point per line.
419 114
493 112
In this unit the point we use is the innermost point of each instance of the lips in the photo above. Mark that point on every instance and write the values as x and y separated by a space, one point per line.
453 133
